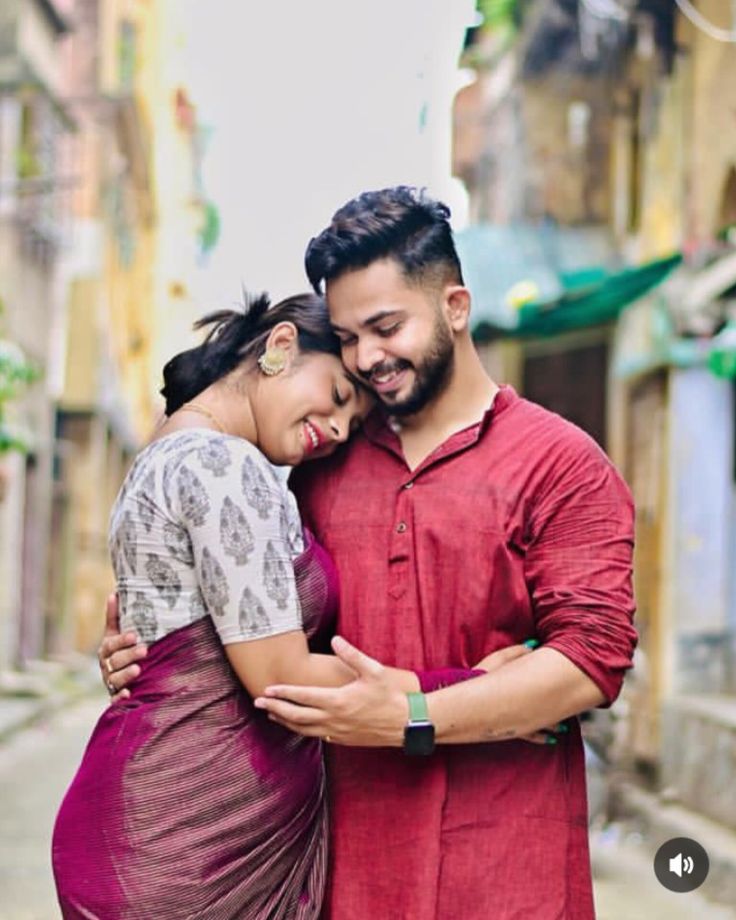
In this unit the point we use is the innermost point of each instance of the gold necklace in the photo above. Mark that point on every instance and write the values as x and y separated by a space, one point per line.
195 407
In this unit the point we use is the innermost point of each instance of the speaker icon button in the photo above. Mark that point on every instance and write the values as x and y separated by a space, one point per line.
681 864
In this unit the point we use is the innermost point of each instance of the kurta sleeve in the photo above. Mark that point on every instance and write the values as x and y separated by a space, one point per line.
446 677
238 525
578 564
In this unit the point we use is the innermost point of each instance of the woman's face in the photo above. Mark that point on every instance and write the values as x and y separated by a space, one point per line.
309 410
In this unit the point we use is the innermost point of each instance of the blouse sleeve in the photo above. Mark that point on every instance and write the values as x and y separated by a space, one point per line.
236 513
579 566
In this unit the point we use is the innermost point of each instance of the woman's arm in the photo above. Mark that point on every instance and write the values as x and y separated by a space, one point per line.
286 658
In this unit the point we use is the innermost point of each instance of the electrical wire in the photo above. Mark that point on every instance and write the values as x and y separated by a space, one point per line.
700 22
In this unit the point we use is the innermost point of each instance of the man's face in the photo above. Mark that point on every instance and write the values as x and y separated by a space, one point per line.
394 335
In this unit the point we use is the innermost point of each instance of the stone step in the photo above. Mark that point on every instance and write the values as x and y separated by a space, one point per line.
656 820
698 755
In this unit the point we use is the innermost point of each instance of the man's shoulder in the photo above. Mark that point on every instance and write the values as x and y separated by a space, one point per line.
546 433
553 450
563 456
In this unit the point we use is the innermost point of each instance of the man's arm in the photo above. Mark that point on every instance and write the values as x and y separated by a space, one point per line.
517 700
539 690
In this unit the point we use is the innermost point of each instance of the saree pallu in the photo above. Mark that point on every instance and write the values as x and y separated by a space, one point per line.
190 803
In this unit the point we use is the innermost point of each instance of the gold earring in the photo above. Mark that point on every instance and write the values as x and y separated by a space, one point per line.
272 361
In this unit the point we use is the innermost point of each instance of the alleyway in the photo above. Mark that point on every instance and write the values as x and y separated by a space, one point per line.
35 768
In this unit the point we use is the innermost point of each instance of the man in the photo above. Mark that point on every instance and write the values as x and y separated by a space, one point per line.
462 519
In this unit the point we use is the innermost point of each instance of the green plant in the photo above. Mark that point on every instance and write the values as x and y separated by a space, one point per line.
16 373
499 23
499 13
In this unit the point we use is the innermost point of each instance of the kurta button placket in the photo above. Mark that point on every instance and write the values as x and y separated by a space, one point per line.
400 548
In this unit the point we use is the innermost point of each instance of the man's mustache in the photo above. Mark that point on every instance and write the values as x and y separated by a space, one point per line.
387 367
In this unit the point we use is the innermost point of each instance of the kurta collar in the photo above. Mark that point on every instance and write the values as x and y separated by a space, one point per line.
377 428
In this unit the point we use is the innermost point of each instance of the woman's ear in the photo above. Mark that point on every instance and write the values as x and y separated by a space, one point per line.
284 337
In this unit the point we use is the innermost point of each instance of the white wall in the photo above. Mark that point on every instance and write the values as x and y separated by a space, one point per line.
313 101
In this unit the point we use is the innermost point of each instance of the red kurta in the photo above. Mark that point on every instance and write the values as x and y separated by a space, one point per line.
513 528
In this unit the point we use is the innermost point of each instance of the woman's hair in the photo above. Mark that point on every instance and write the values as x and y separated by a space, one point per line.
238 336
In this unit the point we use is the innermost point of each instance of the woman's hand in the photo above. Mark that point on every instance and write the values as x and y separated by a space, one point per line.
503 656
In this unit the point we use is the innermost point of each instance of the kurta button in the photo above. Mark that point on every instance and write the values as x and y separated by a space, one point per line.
408 485
400 527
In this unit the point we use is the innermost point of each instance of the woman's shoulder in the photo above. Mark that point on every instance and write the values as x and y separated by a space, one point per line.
210 454
211 448
214 456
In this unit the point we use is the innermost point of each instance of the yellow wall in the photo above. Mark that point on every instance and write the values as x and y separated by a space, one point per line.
177 304
128 293
110 302
712 119
568 179
664 168
82 347
687 134
108 398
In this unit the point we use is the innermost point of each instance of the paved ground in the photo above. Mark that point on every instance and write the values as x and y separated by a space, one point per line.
37 764
627 889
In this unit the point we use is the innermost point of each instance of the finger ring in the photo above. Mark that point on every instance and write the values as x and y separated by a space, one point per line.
110 688
108 665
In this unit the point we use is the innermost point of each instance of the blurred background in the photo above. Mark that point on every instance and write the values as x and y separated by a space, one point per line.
158 155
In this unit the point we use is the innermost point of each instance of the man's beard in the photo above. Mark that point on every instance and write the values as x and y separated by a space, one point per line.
430 377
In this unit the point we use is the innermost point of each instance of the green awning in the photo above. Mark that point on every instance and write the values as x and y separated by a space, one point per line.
505 263
582 305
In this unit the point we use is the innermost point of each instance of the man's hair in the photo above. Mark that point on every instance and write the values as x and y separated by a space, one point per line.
402 223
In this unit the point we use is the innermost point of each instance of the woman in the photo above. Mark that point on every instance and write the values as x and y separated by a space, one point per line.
189 802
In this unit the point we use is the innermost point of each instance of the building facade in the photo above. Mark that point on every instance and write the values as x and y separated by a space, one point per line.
622 125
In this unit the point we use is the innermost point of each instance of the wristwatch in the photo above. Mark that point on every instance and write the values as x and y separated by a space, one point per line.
419 731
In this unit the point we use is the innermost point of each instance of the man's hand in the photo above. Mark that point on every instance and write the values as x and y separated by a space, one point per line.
118 654
368 712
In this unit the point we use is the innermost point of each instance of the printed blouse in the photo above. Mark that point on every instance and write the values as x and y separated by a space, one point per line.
204 526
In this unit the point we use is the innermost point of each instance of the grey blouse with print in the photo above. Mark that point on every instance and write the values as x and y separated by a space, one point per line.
203 525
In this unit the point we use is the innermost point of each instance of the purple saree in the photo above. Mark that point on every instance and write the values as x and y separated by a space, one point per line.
189 802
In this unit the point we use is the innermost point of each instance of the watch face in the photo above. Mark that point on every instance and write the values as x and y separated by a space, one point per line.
419 738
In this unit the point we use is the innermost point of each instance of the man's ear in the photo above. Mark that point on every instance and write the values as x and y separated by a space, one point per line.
457 307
